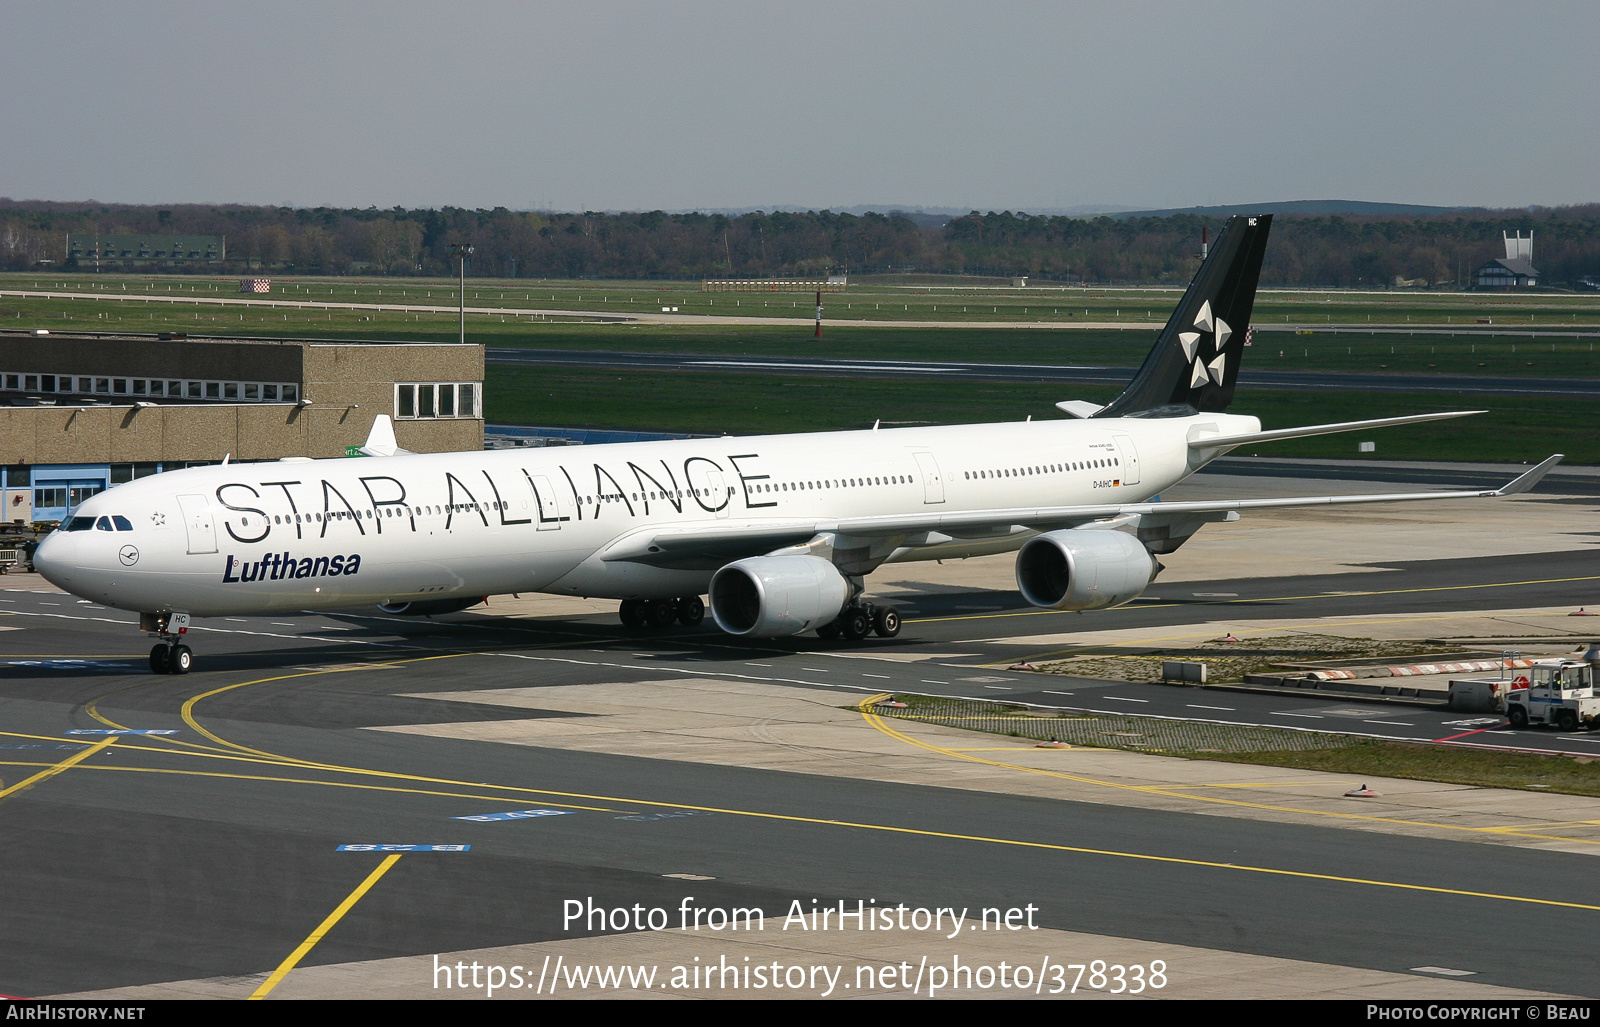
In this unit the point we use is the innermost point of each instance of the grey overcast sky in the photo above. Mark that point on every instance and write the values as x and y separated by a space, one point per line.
634 105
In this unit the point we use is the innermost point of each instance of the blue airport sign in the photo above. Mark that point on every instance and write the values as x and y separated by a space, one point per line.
122 731
521 814
403 848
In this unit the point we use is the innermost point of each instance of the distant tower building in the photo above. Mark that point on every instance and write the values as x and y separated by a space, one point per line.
1514 270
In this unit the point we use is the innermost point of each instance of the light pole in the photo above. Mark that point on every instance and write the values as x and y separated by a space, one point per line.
462 250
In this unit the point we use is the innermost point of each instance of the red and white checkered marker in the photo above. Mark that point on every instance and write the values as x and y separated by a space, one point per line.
1361 793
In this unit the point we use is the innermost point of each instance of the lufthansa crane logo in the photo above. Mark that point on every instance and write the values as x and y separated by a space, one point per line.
129 556
1206 368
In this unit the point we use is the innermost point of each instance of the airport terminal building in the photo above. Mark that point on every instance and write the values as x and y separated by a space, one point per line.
83 411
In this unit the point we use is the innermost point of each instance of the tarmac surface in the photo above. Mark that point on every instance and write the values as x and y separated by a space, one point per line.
1468 385
688 770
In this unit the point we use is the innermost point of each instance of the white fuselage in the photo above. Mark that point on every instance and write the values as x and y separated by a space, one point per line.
318 534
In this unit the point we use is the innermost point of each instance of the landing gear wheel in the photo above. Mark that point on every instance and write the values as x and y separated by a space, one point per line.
182 659
631 613
691 611
1567 720
661 613
855 624
160 658
886 621
1519 717
829 631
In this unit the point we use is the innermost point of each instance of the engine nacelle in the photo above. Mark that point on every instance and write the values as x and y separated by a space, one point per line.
1083 569
429 607
773 596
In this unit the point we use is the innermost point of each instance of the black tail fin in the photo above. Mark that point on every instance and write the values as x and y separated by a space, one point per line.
1195 361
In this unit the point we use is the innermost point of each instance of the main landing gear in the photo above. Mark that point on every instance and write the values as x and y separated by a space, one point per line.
660 614
171 658
858 620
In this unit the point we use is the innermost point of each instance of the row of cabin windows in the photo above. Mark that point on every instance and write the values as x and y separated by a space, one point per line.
1019 472
152 388
833 483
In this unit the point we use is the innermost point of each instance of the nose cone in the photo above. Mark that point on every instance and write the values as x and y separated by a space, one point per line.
53 560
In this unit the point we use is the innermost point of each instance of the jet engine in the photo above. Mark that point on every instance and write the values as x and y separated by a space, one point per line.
772 596
428 608
1083 569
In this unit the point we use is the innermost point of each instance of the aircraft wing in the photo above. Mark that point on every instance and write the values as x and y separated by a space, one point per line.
731 542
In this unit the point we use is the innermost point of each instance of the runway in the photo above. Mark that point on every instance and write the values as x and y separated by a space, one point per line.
1467 385
210 853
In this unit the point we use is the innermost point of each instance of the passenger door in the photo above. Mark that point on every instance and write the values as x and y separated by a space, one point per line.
197 522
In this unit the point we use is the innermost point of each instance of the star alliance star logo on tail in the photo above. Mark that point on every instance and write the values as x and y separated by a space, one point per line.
1204 369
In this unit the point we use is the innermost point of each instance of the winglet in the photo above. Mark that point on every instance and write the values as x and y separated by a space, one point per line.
1529 478
381 441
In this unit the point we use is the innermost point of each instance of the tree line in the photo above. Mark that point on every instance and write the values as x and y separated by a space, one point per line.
1338 251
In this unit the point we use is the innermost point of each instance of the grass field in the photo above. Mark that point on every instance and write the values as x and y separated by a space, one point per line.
1273 747
870 300
1492 352
1515 430
1512 431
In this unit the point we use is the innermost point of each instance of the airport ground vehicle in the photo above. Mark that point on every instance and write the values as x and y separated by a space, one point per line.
1560 695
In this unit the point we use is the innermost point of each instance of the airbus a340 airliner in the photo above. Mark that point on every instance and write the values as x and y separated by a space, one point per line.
778 530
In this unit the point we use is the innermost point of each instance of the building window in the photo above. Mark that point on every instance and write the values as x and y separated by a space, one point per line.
213 390
436 399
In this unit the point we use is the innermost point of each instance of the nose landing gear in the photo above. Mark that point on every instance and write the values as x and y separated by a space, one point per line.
169 656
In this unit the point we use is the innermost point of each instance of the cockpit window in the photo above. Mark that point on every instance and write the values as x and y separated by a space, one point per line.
122 523
104 524
79 524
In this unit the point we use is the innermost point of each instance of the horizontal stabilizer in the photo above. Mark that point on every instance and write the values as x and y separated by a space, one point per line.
1079 407
1217 441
